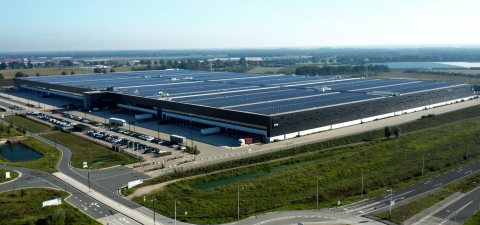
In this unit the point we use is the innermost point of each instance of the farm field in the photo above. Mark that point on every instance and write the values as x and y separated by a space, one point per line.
269 70
25 207
395 74
389 162
54 71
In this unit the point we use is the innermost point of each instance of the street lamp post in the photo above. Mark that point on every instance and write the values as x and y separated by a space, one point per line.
361 193
154 210
423 165
88 178
158 130
391 193
176 211
317 191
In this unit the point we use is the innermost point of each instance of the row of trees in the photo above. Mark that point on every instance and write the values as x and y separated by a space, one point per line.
442 73
335 70
395 131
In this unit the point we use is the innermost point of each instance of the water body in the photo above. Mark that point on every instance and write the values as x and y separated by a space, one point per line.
218 183
425 65
18 152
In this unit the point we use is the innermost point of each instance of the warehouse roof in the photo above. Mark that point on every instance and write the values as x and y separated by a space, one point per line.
255 93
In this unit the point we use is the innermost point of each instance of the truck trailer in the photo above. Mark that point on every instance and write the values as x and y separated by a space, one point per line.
249 139
178 139
212 130
116 121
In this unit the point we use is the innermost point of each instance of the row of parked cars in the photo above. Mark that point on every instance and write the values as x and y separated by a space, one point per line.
148 138
52 119
17 107
136 146
77 118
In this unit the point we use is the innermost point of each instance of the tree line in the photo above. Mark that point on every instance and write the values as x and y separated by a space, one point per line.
336 70
442 73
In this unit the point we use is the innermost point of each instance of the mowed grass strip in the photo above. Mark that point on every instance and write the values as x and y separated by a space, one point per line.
24 206
86 151
390 163
49 153
3 174
415 207
28 124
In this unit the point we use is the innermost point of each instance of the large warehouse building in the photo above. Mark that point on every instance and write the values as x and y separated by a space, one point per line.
275 106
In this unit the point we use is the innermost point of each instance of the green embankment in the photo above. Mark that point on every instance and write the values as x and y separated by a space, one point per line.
47 163
438 120
415 207
28 124
3 174
86 151
390 163
24 206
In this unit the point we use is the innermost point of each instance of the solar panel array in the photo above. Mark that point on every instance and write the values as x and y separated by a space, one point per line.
255 93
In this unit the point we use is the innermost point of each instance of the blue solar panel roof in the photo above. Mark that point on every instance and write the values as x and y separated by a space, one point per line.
255 93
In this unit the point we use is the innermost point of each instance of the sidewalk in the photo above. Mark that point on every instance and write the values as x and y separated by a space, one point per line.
142 219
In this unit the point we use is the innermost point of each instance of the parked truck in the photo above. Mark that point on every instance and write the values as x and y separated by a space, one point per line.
212 130
143 116
116 121
249 139
178 139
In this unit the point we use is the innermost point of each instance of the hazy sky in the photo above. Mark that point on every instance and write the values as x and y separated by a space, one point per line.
48 25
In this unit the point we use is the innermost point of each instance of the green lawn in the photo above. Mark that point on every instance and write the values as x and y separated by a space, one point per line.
7 131
86 151
474 220
28 124
393 162
38 164
13 175
413 208
25 207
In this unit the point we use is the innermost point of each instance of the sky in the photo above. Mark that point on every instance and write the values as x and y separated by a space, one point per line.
49 25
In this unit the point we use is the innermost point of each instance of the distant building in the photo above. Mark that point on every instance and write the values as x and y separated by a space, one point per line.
253 59
61 58
12 60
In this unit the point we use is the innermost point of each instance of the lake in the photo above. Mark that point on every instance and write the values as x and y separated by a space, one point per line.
218 183
18 152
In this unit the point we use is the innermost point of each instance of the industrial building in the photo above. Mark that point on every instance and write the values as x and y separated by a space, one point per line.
275 106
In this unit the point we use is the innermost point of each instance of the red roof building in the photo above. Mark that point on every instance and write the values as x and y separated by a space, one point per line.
12 60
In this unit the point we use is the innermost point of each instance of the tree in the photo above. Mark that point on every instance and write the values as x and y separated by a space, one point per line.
162 61
148 62
242 61
388 132
1 77
156 62
23 192
72 73
104 71
64 73
97 70
397 132
57 218
112 70
38 74
170 62
19 74
3 66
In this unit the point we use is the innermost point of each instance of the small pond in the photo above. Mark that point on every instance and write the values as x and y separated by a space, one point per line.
218 183
18 152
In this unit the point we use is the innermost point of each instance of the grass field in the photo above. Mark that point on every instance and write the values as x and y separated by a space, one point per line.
24 206
28 124
3 178
397 74
50 153
54 71
413 208
86 151
289 69
7 131
389 162
474 220
269 70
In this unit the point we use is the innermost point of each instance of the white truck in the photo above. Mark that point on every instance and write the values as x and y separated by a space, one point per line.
212 130
120 122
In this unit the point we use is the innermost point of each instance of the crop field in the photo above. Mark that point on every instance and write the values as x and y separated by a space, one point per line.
25 207
269 70
54 71
390 162
86 151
